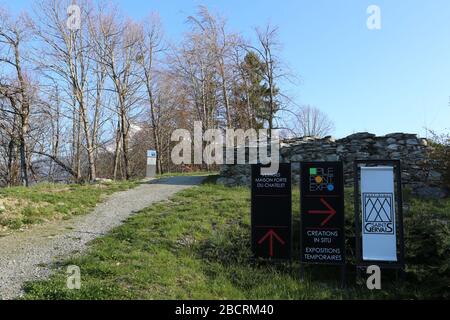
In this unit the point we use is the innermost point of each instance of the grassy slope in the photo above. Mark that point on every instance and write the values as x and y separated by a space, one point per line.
24 206
196 246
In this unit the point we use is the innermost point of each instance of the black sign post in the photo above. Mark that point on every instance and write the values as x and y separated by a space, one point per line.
322 214
271 216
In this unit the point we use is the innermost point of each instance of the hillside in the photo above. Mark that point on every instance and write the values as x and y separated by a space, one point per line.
22 207
197 246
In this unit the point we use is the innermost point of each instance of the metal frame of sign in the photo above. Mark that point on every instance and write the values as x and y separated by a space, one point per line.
360 264
276 260
342 264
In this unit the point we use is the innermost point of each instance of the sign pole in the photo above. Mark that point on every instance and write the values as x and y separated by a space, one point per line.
400 217
302 272
343 277
151 164
357 209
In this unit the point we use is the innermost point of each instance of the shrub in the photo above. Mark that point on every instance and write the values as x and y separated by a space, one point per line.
427 246
441 155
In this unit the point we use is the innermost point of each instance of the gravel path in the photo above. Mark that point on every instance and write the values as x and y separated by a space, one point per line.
28 255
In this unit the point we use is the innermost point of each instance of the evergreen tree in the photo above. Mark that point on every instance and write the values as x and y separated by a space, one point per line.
252 93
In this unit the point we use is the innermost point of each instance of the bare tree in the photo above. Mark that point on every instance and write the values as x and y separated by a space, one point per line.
80 103
272 101
17 89
310 121
67 59
8 141
150 49
219 45
268 42
193 70
118 50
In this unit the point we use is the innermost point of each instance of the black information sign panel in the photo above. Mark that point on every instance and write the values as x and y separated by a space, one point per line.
322 213
271 213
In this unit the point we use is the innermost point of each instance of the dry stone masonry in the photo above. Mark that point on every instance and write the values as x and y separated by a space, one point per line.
414 153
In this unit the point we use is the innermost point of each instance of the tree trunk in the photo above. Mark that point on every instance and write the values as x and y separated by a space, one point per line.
23 157
125 129
78 149
87 134
10 162
155 131
117 151
225 95
24 116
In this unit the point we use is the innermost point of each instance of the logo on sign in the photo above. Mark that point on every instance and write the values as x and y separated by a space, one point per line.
378 213
151 154
321 179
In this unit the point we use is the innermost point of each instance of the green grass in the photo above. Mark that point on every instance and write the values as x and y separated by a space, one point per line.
44 202
197 246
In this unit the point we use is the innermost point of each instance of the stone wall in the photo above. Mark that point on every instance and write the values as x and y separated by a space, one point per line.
411 150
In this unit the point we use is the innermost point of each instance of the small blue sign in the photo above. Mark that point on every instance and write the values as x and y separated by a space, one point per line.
151 154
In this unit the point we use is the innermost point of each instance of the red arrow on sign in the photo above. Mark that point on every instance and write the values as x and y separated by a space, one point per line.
330 212
270 235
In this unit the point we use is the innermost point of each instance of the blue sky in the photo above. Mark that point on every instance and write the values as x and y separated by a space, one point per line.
382 81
